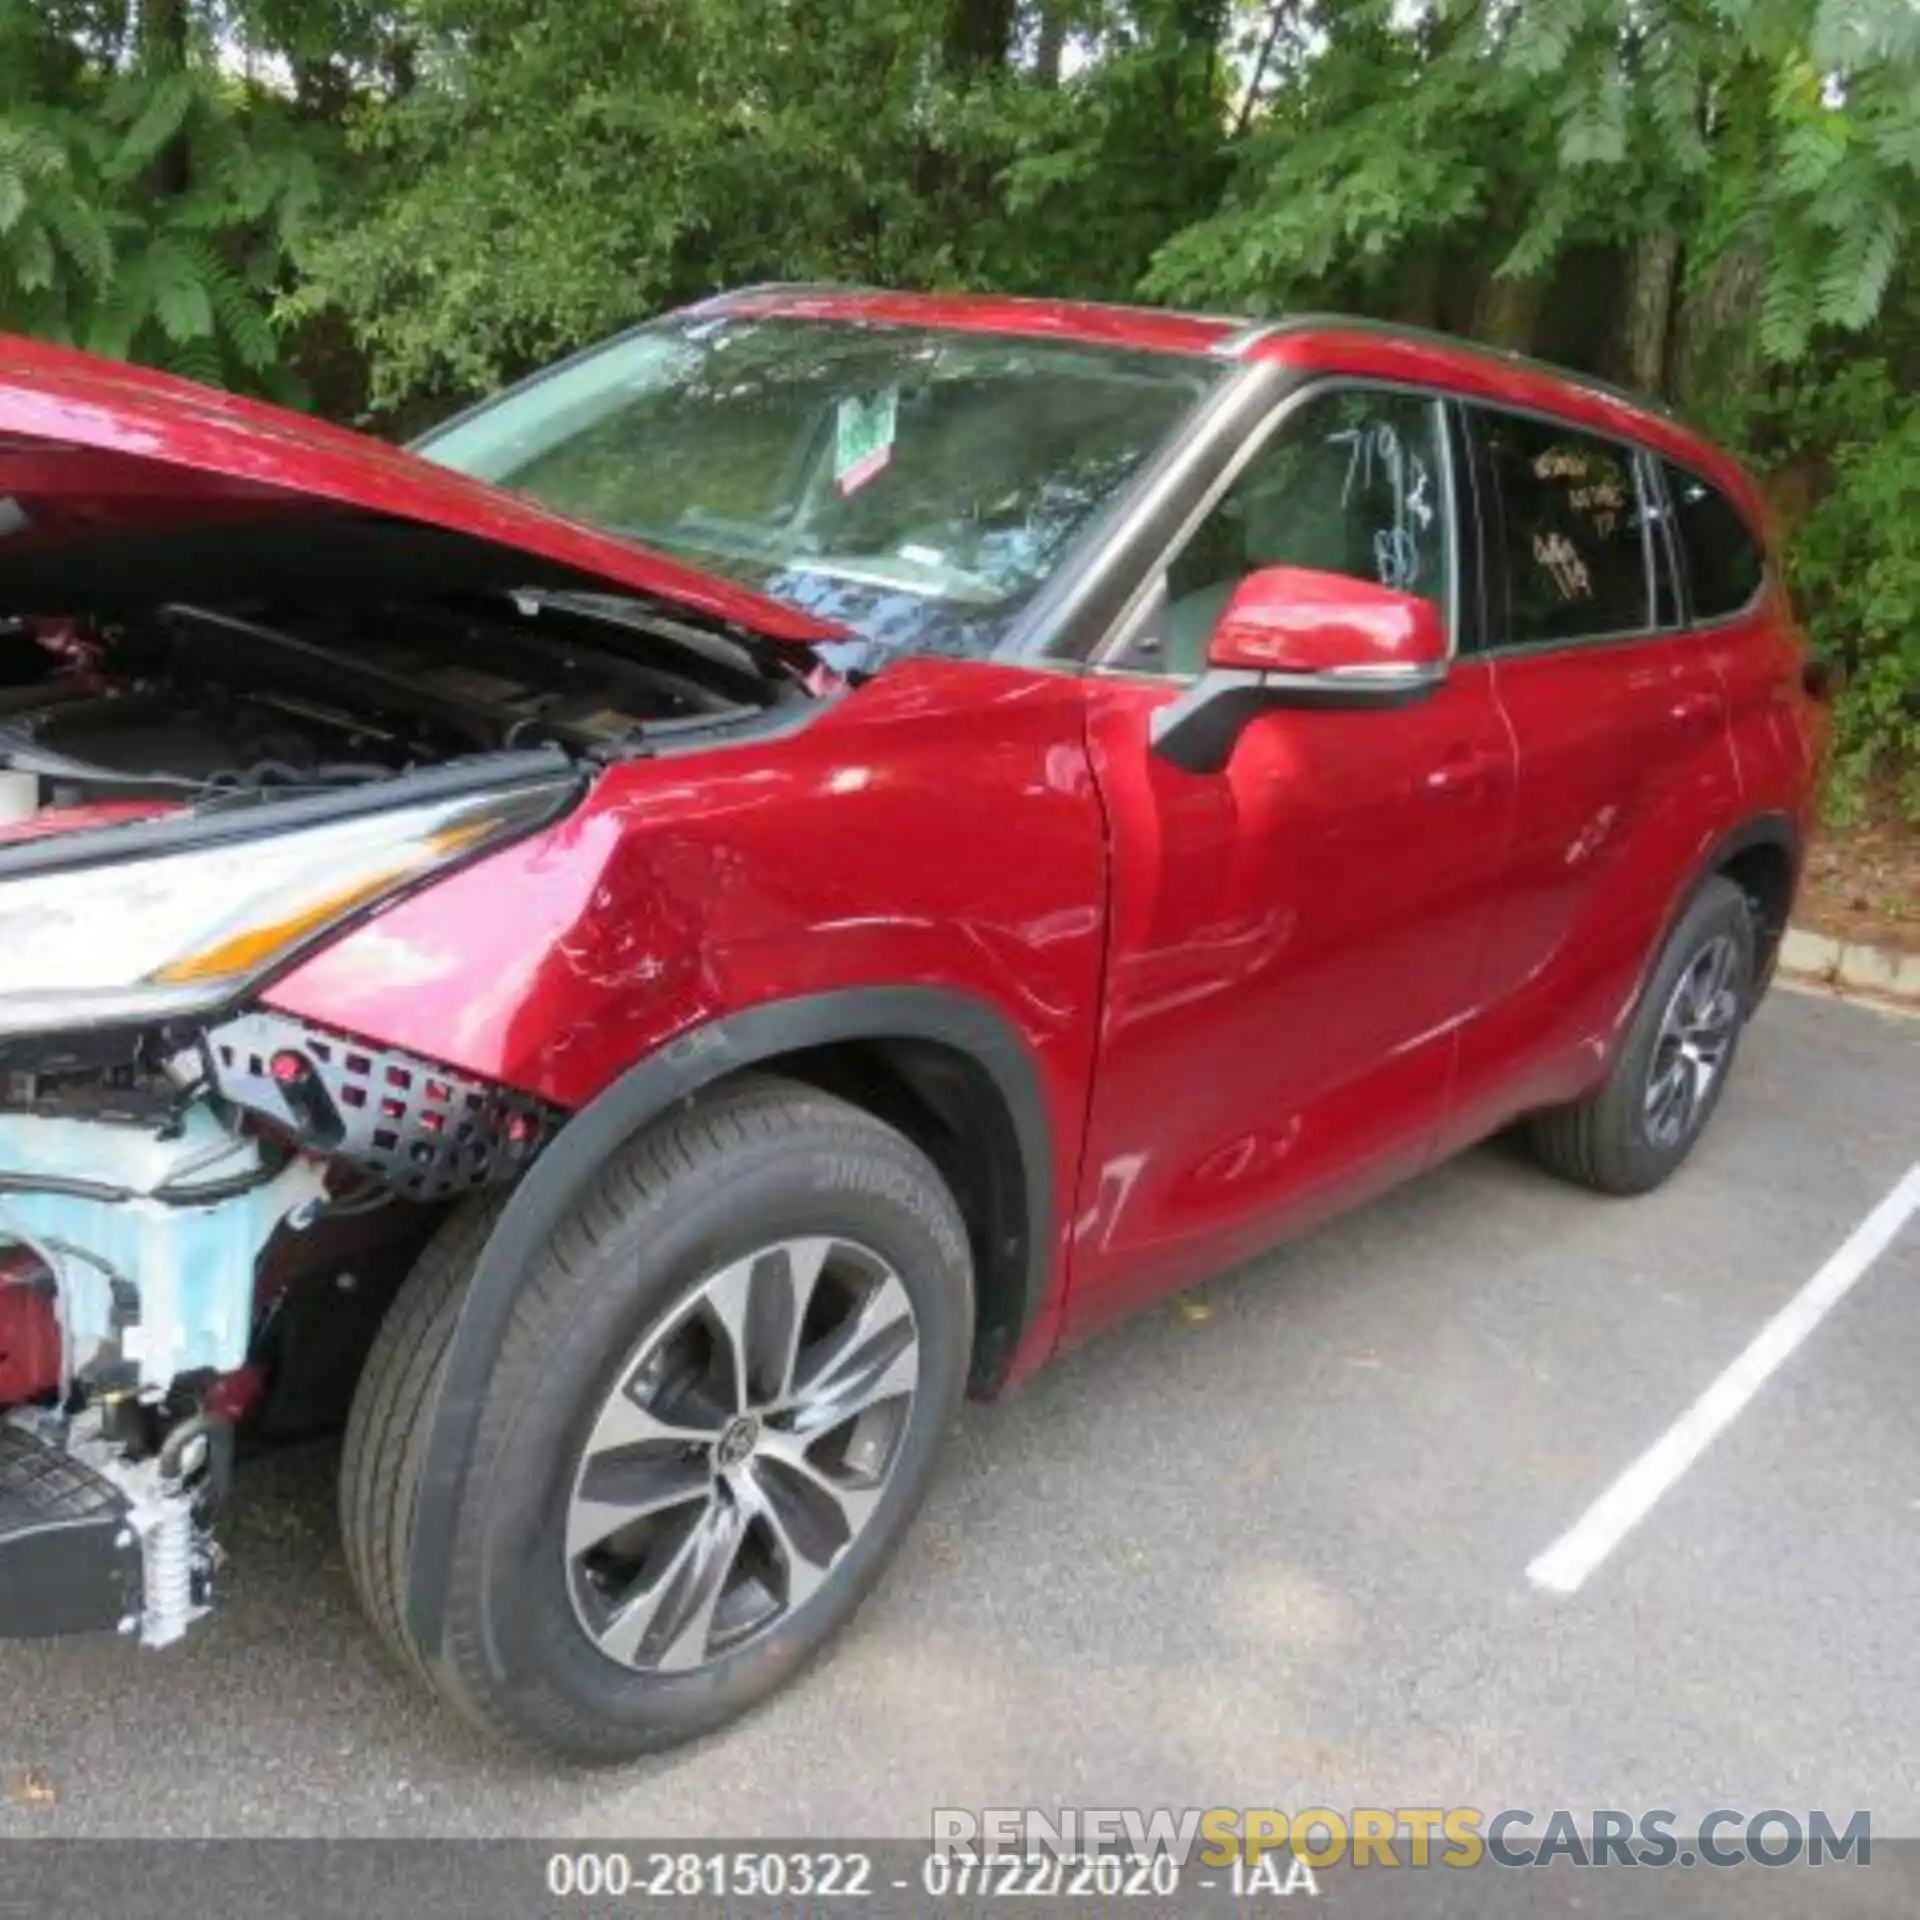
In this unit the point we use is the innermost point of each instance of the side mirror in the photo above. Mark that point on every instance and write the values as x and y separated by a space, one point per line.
1296 637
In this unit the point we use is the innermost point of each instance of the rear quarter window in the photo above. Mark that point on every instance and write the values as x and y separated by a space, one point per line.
1724 563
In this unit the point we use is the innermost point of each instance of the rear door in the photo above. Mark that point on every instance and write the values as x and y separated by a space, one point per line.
1626 769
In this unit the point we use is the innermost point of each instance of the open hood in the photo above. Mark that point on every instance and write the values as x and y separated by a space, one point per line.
102 466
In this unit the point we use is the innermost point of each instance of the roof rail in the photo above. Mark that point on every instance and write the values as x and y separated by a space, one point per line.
1242 343
721 296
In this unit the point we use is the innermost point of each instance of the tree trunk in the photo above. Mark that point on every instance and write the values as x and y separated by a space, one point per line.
1711 350
979 36
162 33
1052 42
1416 289
1653 270
1508 309
1250 101
161 47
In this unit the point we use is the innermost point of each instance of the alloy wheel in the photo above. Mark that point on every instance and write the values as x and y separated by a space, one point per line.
1696 1035
742 1450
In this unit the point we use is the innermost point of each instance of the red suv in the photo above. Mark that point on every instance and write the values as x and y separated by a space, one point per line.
773 875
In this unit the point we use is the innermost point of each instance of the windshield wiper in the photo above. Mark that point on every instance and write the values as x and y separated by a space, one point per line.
24 756
758 666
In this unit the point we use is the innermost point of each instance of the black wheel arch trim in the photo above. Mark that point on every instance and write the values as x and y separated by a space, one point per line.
695 1060
1760 830
1763 830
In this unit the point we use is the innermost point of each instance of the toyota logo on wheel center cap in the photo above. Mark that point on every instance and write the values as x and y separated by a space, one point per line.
739 1440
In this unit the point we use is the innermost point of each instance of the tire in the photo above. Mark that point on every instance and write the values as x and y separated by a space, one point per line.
1613 1140
623 1297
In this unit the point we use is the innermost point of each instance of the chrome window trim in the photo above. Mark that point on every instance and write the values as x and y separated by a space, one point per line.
1632 637
1650 505
1035 636
1656 507
1124 630
1236 346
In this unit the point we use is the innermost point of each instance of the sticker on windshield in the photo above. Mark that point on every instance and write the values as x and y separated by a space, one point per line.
863 437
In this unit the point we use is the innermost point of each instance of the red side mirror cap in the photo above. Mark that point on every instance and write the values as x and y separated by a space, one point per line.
1299 621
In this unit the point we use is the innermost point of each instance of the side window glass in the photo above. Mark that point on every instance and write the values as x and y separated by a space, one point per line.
1355 483
1574 558
1723 560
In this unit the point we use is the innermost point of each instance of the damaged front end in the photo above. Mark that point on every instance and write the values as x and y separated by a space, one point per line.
259 678
135 1246
181 1169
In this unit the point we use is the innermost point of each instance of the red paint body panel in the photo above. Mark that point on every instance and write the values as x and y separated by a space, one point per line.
29 1330
1295 941
1627 779
169 449
937 828
1298 620
1779 733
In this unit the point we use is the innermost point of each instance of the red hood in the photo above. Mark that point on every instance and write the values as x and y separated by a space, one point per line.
78 429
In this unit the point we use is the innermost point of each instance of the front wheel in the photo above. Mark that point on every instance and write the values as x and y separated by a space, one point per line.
1634 1129
714 1416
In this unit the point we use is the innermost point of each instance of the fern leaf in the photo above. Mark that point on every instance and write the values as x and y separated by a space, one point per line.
114 321
1862 263
83 235
1543 34
242 321
161 117
1540 242
1849 34
176 290
194 360
1594 132
1786 312
34 264
1673 94
1809 152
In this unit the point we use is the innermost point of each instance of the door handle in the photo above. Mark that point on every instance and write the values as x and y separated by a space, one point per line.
1464 772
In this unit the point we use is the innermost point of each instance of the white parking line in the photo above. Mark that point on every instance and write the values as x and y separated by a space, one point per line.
1565 1564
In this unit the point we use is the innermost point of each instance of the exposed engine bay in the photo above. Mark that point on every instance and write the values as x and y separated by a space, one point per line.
190 702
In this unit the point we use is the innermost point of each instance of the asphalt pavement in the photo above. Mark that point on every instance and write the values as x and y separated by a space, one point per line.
1265 1545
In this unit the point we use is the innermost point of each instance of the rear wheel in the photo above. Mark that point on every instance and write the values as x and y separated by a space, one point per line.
713 1418
1633 1130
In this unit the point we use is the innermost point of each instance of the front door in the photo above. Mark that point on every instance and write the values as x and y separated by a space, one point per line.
1295 939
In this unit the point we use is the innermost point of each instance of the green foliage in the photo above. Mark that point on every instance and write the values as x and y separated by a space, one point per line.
1849 430
147 208
405 202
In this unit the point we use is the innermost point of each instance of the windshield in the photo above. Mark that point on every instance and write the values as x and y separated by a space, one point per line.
916 486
